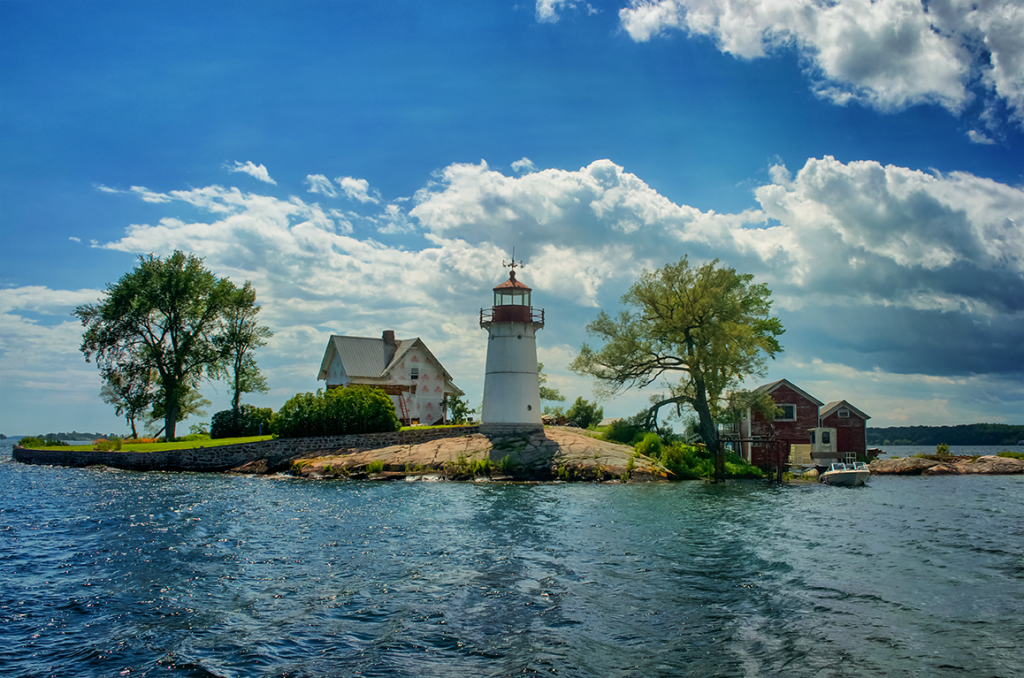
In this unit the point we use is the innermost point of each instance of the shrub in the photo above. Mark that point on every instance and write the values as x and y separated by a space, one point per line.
742 470
942 449
458 468
354 409
375 466
506 465
623 431
104 445
686 462
194 436
649 446
251 421
482 467
1011 455
584 413
631 465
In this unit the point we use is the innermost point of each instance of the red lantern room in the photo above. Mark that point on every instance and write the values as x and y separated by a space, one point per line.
511 305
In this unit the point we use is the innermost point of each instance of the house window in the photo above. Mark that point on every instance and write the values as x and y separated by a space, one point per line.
844 414
414 373
788 413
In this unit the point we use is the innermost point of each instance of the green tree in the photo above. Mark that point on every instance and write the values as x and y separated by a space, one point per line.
241 337
130 391
546 392
192 403
458 409
165 315
584 413
710 325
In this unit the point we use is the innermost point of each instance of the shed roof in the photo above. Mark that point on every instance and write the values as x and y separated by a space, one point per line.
770 388
828 409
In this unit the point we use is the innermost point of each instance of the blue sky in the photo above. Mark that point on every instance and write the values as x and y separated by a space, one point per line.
367 165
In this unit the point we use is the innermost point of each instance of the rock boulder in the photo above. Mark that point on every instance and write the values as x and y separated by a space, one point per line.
993 465
904 466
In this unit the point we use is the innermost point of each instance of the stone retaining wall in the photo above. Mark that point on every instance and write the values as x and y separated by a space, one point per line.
228 456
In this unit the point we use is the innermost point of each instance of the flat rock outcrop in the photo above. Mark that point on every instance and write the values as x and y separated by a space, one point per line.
552 454
992 465
987 465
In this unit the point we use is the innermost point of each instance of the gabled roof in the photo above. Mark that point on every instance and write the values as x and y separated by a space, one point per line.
374 358
837 404
362 356
772 387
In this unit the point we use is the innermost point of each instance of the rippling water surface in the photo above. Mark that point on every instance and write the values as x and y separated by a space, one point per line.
106 573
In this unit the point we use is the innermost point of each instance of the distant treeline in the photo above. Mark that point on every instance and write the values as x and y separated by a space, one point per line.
75 435
965 434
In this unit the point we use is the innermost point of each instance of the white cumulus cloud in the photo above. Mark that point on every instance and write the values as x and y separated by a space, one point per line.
318 183
885 53
524 165
357 189
258 171
977 137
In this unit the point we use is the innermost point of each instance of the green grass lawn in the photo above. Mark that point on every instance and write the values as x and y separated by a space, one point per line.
186 445
192 444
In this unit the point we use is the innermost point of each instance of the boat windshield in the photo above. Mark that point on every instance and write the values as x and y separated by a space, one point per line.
838 467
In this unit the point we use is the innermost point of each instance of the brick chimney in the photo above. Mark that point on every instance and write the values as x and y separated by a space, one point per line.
389 339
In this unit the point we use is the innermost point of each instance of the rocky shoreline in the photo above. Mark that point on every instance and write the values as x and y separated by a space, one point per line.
551 454
924 466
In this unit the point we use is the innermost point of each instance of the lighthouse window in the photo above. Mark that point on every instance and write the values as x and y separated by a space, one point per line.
509 299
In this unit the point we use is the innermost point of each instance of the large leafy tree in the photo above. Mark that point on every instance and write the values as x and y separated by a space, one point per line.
709 325
129 390
165 315
546 392
241 337
191 404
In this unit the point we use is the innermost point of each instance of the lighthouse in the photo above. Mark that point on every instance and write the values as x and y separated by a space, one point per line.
511 383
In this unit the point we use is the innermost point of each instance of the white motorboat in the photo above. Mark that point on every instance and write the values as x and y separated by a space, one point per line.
846 475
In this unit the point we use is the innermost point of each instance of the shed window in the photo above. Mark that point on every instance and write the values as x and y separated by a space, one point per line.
844 414
788 413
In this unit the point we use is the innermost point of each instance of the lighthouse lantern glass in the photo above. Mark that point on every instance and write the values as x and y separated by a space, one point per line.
511 298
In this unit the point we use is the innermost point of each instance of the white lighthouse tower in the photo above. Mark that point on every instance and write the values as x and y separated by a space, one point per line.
511 383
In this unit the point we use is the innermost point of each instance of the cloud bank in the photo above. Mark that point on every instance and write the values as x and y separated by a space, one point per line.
876 270
888 54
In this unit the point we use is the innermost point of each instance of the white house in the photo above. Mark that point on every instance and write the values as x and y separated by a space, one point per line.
406 370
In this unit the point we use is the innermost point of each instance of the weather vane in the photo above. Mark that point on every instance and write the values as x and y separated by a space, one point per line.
512 264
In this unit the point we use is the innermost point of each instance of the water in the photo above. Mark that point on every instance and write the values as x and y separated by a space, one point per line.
108 573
